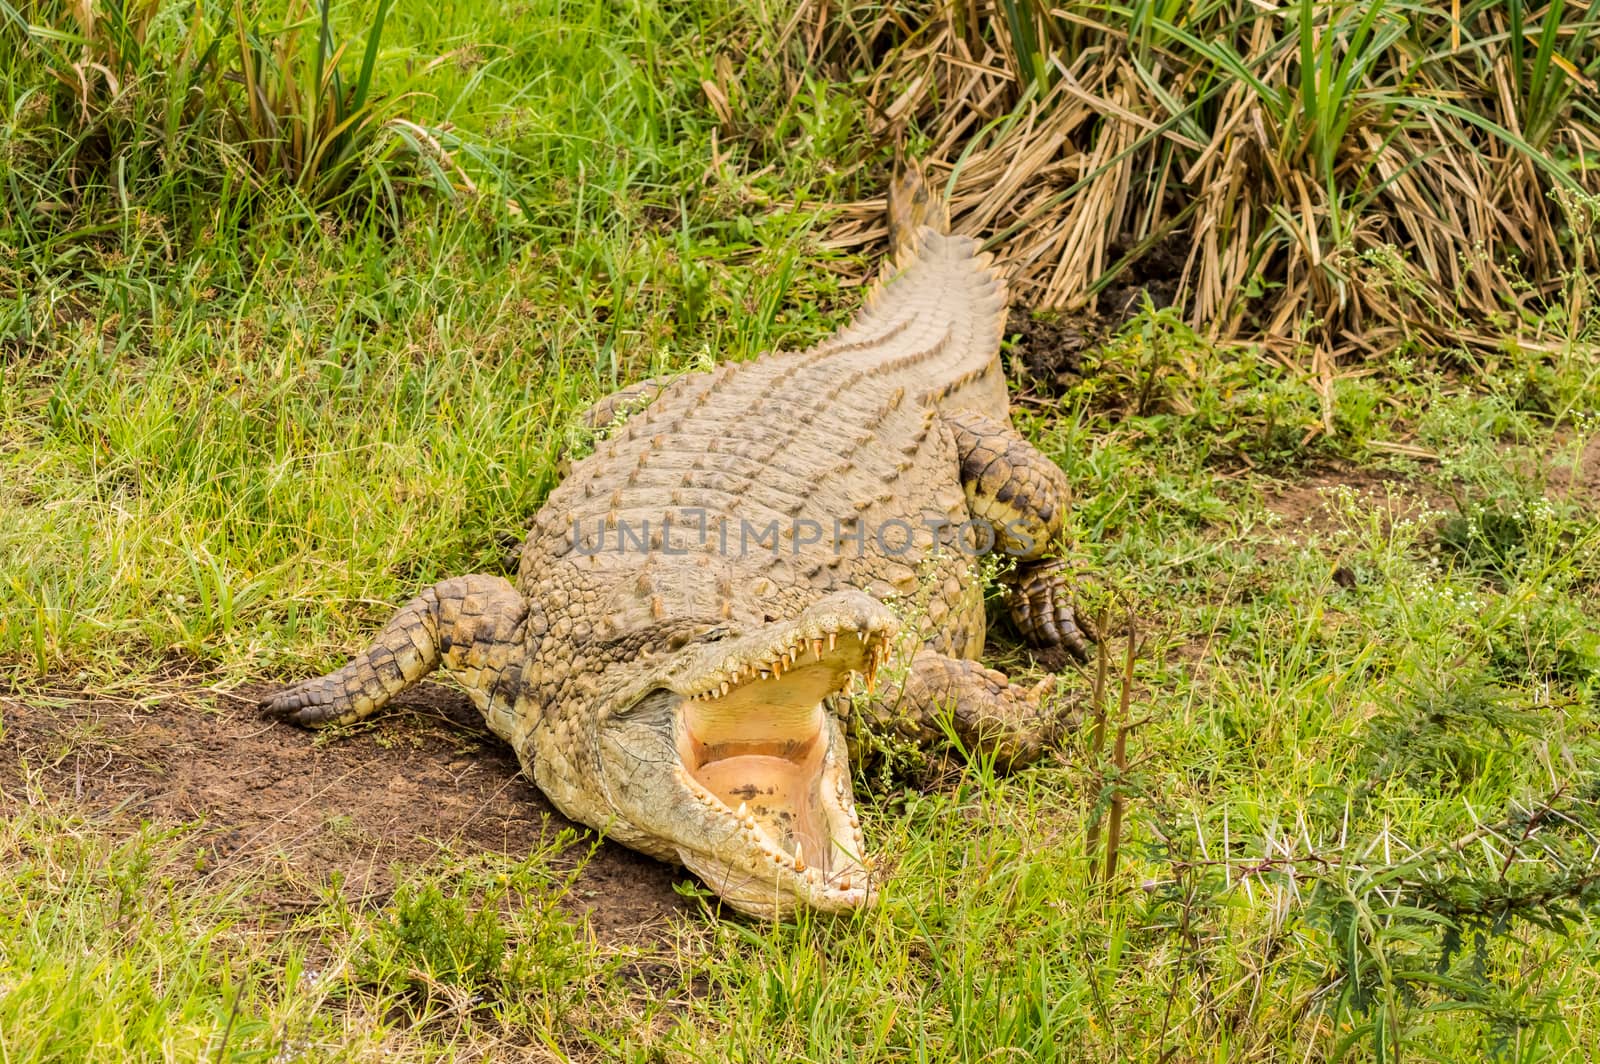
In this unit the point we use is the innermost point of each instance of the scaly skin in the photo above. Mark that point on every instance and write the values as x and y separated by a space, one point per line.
665 674
984 710
471 625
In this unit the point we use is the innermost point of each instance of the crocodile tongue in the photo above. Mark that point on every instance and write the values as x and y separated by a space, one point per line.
760 749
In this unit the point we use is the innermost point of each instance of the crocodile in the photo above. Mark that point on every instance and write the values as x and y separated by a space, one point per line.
748 553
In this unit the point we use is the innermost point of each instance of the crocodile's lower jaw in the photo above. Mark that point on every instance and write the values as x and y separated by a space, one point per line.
769 761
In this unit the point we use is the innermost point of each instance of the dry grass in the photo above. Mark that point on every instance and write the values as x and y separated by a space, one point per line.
1339 174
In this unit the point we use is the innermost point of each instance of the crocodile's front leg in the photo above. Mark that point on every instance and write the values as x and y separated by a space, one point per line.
471 625
987 712
1023 496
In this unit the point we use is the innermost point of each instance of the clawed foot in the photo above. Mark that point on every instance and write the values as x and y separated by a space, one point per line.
311 704
1041 605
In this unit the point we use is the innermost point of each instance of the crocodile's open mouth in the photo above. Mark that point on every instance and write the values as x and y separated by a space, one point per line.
760 747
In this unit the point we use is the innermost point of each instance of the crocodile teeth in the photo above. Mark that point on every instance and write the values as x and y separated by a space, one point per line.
844 884
816 649
833 638
724 688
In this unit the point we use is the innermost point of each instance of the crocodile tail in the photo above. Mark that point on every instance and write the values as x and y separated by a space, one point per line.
913 205
934 319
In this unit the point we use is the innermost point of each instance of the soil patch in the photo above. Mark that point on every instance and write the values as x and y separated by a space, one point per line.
1047 352
1583 480
1305 505
1155 275
1047 348
425 778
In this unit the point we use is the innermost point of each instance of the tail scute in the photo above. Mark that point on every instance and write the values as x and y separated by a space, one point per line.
913 206
934 318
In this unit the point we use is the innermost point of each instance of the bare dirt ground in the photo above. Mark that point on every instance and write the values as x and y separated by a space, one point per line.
1304 503
1583 480
423 779
1047 352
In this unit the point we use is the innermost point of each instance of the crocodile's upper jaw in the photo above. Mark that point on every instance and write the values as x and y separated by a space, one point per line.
753 793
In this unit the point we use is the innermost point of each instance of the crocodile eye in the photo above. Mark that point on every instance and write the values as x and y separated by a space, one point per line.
655 707
682 637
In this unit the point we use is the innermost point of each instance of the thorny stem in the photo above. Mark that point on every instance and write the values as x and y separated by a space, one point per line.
1097 737
1119 756
1097 740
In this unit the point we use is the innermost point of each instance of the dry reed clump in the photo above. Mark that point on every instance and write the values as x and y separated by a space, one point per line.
1344 175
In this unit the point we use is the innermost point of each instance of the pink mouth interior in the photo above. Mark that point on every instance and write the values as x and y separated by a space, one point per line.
761 748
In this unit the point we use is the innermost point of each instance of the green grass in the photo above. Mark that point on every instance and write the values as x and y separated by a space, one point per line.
236 429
